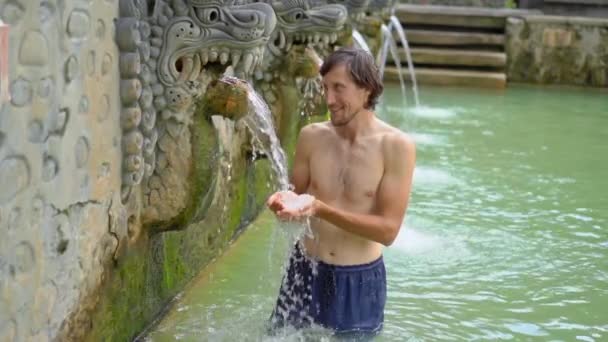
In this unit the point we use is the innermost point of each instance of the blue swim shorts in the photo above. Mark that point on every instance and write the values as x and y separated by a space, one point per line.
344 299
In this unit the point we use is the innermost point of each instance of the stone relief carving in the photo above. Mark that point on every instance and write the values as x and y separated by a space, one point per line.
171 50
377 13
169 54
304 22
300 23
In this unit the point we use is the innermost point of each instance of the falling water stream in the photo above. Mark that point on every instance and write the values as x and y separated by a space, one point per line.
396 24
360 41
389 44
260 123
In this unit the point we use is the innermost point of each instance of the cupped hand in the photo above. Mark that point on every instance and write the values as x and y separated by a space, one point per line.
288 205
274 202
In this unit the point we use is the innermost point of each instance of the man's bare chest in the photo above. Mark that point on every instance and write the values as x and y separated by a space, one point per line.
346 176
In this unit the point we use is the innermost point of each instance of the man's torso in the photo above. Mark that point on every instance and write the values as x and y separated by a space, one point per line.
345 175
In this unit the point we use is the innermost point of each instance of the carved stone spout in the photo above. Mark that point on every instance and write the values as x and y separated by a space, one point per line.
226 97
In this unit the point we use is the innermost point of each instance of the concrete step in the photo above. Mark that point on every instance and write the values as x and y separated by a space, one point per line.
446 77
454 57
471 17
430 37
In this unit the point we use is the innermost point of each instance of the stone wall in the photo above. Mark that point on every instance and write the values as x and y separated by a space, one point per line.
75 261
558 50
60 148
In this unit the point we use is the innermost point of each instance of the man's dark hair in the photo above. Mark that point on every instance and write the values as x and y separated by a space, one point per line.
362 68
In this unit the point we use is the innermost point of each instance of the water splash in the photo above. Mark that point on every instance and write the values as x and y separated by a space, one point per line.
259 121
264 139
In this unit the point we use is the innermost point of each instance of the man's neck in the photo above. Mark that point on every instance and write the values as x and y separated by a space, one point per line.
359 125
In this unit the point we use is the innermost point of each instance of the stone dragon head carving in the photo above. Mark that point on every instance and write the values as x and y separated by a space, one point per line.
303 21
170 51
300 23
377 13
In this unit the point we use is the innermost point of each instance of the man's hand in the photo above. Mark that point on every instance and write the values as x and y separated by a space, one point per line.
288 205
274 202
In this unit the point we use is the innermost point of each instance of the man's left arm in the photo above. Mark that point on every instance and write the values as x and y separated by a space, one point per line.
392 197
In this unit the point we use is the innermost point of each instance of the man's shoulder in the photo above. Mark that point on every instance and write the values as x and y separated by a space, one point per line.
315 130
395 140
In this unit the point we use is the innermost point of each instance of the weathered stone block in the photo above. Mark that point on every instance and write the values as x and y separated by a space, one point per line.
555 37
557 50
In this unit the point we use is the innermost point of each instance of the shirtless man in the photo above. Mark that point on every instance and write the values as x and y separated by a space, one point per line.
359 170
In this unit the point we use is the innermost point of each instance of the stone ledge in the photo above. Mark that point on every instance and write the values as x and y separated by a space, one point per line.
558 19
464 11
469 17
453 38
446 77
579 2
455 57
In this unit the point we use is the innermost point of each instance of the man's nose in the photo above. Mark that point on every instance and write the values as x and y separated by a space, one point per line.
330 98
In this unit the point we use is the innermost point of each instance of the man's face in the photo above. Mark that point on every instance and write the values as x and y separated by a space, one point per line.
344 98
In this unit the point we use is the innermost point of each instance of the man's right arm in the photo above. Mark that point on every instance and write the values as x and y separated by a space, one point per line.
300 175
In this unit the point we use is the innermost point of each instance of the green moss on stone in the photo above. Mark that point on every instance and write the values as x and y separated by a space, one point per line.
175 272
238 195
124 309
260 178
204 154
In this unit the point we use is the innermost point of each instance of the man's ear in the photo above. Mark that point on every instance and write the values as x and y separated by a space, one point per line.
368 93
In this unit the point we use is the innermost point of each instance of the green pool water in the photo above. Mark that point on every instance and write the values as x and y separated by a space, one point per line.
505 237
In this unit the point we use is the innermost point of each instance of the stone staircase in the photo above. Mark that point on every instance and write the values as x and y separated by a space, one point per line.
459 46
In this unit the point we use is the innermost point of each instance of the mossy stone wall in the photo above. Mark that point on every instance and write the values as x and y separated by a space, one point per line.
557 50
144 281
